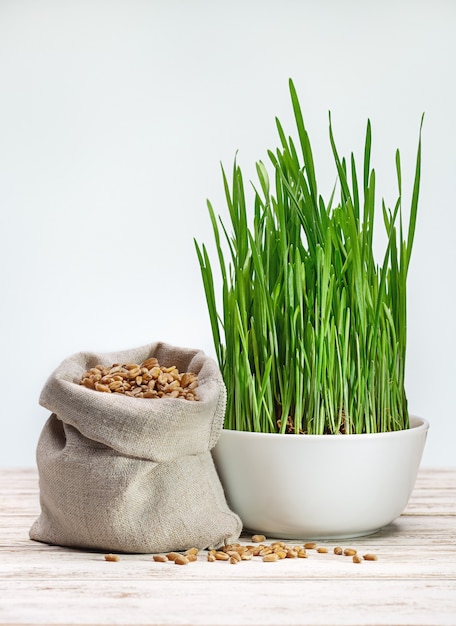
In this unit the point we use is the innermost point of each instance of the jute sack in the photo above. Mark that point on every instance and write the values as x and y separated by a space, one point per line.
132 474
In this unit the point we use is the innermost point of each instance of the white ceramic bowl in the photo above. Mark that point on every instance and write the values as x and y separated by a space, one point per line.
319 486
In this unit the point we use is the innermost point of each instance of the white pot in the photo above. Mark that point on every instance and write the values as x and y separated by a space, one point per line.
319 486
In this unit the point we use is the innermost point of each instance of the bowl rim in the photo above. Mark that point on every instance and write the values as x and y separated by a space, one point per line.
418 425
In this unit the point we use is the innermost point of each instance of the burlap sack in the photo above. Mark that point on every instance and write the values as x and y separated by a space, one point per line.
131 474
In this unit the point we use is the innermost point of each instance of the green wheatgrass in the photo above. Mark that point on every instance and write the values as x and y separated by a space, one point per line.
311 332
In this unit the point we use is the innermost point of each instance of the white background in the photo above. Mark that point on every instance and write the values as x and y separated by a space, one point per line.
114 118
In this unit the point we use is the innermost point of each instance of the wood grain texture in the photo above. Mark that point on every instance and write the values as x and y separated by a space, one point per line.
413 581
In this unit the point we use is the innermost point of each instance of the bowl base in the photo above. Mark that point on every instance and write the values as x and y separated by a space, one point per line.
311 536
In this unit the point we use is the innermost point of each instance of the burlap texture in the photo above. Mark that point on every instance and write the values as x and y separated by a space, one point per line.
131 474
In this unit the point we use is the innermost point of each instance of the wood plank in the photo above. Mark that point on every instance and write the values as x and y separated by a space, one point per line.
392 563
234 602
406 531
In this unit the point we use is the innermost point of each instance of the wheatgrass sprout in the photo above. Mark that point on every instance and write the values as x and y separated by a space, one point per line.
311 332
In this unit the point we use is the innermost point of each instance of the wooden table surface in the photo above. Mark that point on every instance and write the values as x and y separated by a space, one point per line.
412 582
